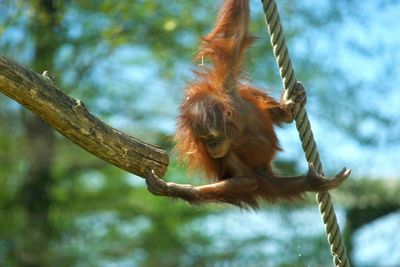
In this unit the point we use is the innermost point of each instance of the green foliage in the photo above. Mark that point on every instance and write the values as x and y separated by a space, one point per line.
116 56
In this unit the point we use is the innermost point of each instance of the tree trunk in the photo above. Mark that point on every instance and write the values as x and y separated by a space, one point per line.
35 191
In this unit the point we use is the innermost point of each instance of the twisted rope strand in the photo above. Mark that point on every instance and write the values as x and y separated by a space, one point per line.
305 133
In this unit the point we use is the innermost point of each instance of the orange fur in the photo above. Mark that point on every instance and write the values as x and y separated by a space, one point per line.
220 45
219 103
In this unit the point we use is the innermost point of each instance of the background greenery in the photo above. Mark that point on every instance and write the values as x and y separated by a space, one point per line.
128 61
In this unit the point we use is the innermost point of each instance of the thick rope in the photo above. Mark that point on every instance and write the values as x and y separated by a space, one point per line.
303 126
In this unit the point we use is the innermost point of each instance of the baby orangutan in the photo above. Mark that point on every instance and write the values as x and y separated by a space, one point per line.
226 129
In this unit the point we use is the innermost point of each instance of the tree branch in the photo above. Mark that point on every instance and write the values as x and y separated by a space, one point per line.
71 118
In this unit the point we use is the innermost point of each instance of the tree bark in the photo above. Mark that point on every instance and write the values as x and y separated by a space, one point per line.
70 117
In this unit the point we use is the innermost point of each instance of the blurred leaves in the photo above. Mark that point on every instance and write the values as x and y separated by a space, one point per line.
129 61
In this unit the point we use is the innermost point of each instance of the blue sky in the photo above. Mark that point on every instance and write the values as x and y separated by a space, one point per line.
364 48
375 34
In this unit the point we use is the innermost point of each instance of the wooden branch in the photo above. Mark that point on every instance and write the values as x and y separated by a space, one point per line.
71 118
